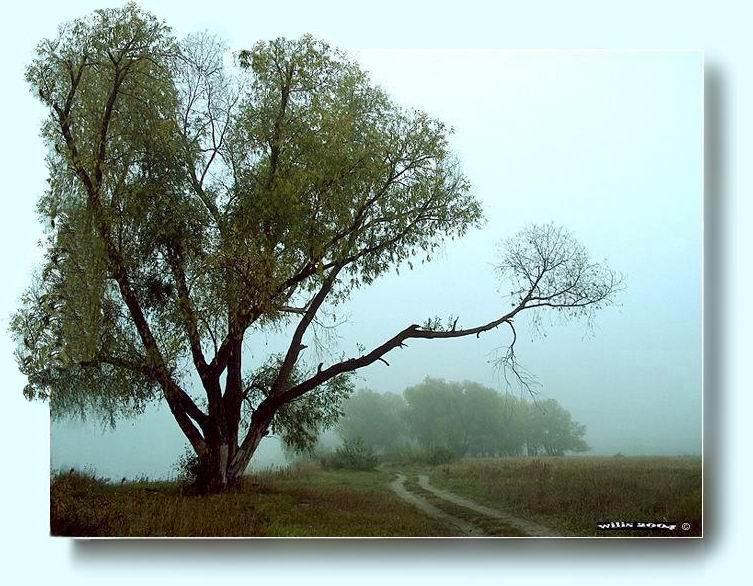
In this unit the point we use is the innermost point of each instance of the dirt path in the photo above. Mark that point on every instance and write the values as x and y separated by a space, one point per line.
422 504
528 527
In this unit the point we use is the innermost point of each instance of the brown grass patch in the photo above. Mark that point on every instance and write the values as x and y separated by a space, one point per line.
301 501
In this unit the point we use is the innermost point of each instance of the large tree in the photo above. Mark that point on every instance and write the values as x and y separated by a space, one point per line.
192 202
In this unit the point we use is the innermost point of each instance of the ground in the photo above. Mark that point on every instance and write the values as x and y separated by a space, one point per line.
477 497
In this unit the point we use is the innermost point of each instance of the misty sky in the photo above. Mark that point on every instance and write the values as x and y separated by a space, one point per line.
608 144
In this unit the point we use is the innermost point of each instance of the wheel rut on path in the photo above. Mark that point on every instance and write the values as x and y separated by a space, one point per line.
398 487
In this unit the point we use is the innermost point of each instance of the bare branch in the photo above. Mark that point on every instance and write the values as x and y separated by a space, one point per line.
547 259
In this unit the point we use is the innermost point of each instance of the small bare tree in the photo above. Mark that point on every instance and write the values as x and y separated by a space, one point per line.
549 269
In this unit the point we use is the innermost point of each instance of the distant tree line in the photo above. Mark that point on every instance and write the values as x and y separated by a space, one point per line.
466 419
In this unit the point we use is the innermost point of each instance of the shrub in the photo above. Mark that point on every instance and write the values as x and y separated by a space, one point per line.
354 454
440 456
189 471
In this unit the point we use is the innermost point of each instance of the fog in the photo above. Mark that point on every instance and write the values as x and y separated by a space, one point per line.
608 144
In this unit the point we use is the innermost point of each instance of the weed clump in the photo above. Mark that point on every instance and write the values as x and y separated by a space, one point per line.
74 499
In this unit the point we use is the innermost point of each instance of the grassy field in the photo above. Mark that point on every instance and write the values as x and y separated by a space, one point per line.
570 495
305 501
573 494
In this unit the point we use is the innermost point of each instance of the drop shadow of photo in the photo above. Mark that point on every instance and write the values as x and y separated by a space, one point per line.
716 273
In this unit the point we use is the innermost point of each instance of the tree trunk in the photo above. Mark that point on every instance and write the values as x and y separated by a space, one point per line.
222 466
243 454
215 469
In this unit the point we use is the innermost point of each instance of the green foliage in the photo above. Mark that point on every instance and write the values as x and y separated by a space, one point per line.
78 346
342 137
435 414
62 353
300 422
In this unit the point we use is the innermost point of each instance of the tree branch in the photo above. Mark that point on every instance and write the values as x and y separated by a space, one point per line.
272 403
174 260
295 347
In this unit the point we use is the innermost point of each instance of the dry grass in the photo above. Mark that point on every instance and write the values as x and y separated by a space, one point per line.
573 494
304 501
